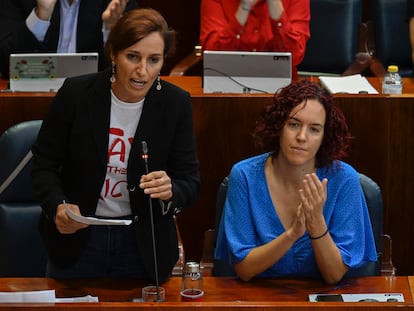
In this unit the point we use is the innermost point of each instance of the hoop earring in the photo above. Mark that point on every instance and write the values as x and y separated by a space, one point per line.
158 87
113 77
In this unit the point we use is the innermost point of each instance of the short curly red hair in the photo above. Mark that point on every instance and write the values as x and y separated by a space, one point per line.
268 128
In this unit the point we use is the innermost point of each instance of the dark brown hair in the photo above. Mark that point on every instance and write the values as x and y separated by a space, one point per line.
135 25
336 137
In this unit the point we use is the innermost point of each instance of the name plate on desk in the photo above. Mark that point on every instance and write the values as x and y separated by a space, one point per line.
46 72
386 297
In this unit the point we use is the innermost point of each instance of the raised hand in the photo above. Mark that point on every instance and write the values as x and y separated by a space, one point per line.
298 227
44 8
247 4
113 12
313 197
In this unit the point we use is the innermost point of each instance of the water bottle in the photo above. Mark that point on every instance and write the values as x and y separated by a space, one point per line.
392 82
192 282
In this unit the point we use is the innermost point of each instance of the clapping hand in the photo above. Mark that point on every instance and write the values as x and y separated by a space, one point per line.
248 4
113 12
44 9
313 197
298 226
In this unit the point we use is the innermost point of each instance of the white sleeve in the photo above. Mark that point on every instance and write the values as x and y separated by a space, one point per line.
37 26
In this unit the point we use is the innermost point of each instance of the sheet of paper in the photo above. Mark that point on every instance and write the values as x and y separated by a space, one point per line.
354 84
97 221
385 297
87 298
43 296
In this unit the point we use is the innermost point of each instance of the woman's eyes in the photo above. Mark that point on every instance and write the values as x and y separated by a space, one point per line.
154 60
294 124
313 129
136 58
132 56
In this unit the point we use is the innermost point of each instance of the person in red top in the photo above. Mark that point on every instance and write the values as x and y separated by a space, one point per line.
256 25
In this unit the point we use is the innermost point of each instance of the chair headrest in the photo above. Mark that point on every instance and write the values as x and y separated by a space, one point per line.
15 143
334 27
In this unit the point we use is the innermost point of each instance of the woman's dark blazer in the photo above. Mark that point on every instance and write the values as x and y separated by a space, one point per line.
15 37
70 162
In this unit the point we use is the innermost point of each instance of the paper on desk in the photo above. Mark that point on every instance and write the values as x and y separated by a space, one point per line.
87 298
28 296
41 296
97 221
354 84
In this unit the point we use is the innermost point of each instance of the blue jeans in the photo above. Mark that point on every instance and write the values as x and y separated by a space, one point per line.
110 252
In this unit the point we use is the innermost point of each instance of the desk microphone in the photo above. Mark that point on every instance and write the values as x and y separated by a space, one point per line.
145 158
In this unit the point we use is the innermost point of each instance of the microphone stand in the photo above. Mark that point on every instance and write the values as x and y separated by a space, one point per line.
145 158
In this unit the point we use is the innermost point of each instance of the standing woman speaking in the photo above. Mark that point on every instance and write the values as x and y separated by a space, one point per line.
88 158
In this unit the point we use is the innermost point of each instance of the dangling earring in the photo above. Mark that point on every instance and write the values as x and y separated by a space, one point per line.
158 87
113 78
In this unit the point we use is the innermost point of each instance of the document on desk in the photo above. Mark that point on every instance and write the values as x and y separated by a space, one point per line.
41 296
368 297
97 221
28 296
87 298
354 84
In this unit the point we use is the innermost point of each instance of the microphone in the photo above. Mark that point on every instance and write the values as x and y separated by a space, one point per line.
145 158
145 155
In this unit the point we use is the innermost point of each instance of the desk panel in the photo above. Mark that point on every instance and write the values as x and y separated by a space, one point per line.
220 294
19 107
383 149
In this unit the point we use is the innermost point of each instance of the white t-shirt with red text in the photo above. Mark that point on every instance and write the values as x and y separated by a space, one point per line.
114 198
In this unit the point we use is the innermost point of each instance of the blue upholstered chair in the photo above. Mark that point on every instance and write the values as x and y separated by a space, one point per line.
391 34
21 251
373 197
334 41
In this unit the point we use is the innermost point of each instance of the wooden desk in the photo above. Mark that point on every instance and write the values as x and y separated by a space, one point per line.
383 149
220 294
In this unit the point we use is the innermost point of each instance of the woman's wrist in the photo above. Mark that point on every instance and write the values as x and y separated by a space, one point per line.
319 236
